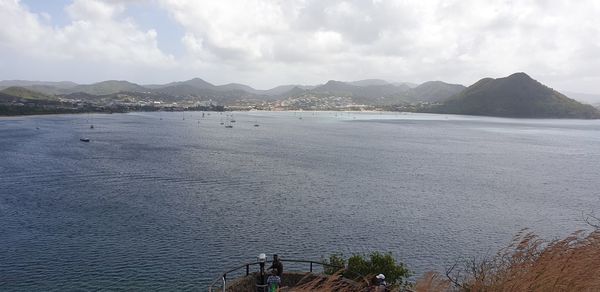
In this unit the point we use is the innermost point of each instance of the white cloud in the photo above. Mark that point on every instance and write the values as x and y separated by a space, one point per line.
19 29
94 10
266 42
458 41
98 32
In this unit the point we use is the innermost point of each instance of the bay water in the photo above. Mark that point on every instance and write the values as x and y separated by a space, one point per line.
168 201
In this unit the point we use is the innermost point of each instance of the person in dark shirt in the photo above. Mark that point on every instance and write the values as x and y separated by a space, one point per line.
277 265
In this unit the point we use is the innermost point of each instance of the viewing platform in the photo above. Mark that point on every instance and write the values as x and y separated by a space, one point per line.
252 276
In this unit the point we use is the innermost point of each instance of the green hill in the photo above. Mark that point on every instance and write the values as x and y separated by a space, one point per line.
517 95
27 83
368 82
20 92
434 91
372 91
107 87
194 83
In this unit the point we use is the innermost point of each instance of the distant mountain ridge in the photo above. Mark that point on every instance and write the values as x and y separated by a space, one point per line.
368 82
194 82
115 86
517 95
434 91
107 87
26 83
25 93
199 88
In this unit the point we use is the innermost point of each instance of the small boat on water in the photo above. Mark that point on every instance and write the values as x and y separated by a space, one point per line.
229 126
91 126
84 139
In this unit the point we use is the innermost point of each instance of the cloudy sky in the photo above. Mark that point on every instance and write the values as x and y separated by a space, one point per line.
265 43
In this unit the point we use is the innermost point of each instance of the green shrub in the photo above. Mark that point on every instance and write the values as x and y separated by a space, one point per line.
367 265
336 260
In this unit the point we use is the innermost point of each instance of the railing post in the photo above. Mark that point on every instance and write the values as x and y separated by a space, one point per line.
213 286
224 282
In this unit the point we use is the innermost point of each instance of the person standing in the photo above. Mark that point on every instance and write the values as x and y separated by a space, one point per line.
381 283
277 265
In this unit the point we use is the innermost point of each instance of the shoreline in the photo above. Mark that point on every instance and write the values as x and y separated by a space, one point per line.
305 111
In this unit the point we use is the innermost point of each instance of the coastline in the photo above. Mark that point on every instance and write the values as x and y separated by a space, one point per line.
3 116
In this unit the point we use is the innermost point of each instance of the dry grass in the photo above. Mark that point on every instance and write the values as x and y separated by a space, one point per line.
339 284
531 264
331 283
528 264
432 282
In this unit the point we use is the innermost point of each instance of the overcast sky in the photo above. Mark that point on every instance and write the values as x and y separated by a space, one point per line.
265 43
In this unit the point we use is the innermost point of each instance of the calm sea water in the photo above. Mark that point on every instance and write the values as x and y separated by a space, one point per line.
155 202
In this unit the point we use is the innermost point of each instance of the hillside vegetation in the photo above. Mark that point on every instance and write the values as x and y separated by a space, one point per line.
517 95
434 91
107 87
24 93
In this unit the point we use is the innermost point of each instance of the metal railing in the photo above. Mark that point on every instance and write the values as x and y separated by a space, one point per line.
223 277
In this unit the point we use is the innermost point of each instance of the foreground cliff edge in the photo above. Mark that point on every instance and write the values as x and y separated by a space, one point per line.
529 263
